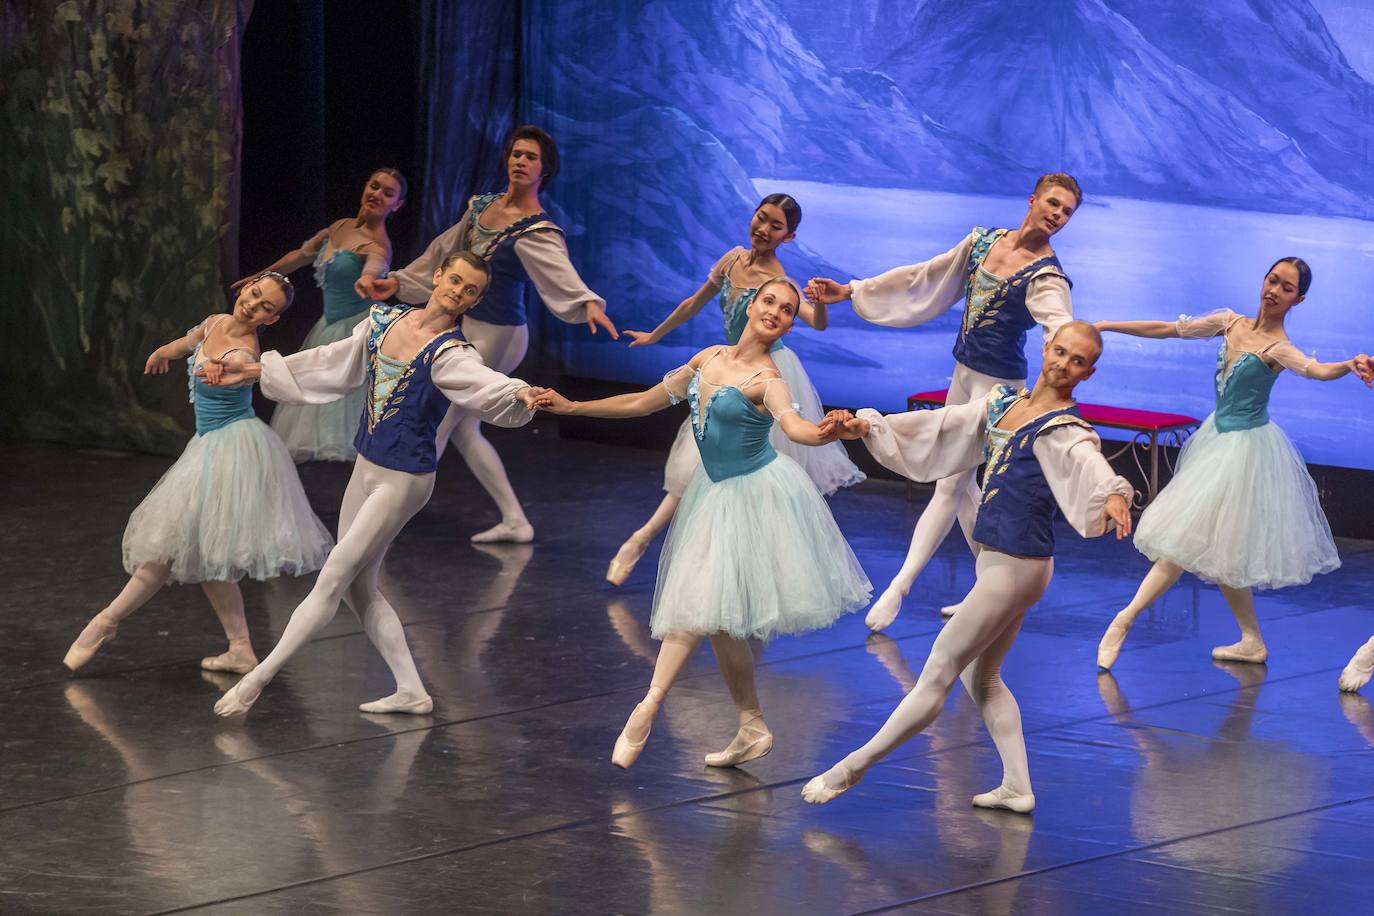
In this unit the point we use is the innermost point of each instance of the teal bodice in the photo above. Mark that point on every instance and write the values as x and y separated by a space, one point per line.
216 408
1242 392
335 278
731 433
734 307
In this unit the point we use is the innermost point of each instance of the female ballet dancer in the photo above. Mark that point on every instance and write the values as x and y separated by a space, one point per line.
414 363
231 506
1009 281
1040 453
735 277
753 550
342 253
1241 511
521 243
1357 673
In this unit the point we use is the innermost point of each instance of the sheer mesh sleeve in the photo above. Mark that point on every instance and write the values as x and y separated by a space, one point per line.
1209 325
675 381
1291 358
777 397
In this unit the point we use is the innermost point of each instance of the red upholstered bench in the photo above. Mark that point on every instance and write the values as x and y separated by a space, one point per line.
1151 428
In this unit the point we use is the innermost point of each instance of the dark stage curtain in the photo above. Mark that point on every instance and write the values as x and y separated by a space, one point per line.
121 141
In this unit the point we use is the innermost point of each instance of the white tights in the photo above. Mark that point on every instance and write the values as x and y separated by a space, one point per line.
971 647
501 347
955 497
376 506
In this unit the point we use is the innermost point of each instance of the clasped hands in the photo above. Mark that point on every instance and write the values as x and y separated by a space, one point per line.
842 424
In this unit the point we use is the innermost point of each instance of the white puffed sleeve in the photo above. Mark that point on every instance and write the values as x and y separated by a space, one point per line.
928 444
489 395
1079 476
907 296
544 255
1209 325
318 375
1049 302
415 281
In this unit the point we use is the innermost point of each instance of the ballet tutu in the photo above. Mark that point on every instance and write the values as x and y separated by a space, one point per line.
754 556
231 506
322 432
828 465
1241 511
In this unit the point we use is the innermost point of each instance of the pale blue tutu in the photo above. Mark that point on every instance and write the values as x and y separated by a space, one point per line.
322 432
231 506
828 465
1241 511
754 556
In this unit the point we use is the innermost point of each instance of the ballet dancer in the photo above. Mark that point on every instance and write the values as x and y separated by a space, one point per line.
753 550
1040 453
735 278
341 252
1009 281
231 506
414 363
520 242
1241 510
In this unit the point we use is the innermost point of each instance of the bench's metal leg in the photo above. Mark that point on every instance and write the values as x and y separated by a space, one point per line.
1154 465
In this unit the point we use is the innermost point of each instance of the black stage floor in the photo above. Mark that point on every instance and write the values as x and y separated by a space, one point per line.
1177 786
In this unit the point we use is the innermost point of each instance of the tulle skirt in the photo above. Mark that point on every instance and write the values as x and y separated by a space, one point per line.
231 506
754 556
828 466
1241 510
322 432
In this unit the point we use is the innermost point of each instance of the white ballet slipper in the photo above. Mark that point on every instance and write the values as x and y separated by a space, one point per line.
231 661
1006 799
1252 653
402 702
237 700
1358 672
506 532
818 791
884 610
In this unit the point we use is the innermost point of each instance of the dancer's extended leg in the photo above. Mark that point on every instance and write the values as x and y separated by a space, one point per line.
735 658
142 585
227 600
673 656
1157 581
1005 588
633 548
1251 647
376 505
1357 673
502 347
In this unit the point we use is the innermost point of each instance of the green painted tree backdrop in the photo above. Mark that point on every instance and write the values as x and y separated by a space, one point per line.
120 132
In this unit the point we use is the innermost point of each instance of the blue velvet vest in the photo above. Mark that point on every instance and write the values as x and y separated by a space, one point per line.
1017 512
504 302
399 433
992 338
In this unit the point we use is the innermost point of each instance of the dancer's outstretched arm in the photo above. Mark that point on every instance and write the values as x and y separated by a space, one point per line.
491 396
292 260
315 376
544 255
670 391
918 444
778 399
1091 495
1298 362
180 348
415 282
1208 325
686 310
904 296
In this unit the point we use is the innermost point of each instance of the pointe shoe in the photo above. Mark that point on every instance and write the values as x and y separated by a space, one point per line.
757 742
235 701
1110 646
229 661
78 655
401 702
816 792
884 610
622 565
1356 675
506 532
626 751
1007 800
1242 652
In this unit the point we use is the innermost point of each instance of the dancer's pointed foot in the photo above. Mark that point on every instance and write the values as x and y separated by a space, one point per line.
237 660
1110 646
1247 650
831 784
949 610
403 702
1357 673
624 561
636 731
1002 797
95 635
884 610
238 699
752 741
521 532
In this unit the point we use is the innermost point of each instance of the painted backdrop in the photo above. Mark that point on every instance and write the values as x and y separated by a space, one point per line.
1210 139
